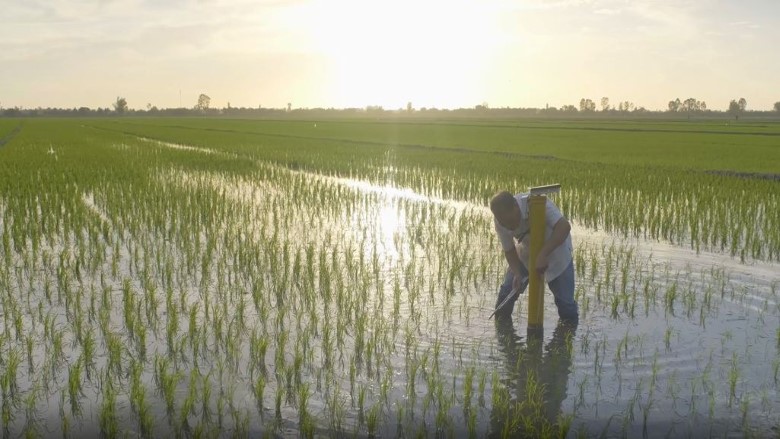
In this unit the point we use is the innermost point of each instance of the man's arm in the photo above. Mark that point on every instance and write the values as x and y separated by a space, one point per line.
514 261
559 234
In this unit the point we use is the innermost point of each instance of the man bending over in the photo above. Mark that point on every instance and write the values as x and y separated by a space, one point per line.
555 263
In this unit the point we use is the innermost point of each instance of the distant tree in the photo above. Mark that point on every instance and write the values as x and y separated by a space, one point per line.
203 102
675 105
120 106
409 108
605 104
626 106
777 107
569 109
742 105
12 112
289 107
691 105
735 108
587 105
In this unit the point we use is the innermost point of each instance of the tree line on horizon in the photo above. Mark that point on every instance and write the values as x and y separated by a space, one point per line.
690 106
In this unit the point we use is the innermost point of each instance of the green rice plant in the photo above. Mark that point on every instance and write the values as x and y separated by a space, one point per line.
733 377
259 389
305 418
30 361
57 349
220 411
166 382
372 419
188 407
115 349
74 386
352 374
668 339
614 303
30 411
481 387
278 402
108 418
467 388
128 299
361 400
336 411
290 387
6 415
65 426
669 298
744 406
205 397
8 379
241 423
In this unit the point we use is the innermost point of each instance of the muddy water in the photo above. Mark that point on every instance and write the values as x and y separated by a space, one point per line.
697 356
670 342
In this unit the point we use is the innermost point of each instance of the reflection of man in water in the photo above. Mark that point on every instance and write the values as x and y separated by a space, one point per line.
511 218
537 379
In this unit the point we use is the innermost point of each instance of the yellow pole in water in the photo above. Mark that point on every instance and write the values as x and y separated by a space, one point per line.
535 281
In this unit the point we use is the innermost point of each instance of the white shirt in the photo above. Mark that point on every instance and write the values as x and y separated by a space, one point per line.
559 258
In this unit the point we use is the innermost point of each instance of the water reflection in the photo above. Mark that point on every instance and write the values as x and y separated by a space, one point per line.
389 222
536 380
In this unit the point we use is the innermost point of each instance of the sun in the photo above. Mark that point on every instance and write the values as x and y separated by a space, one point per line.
432 53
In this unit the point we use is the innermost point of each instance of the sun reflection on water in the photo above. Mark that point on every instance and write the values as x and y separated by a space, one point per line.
391 222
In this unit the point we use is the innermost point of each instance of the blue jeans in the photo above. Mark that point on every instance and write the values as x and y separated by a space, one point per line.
562 288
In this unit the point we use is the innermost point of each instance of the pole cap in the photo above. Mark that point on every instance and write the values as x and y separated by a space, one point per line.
544 190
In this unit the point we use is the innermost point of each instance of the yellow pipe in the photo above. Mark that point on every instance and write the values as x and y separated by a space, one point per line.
535 281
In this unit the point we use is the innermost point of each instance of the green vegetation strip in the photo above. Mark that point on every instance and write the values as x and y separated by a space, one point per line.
7 136
698 209
631 145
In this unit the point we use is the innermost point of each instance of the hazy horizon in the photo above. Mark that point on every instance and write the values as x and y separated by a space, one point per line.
345 53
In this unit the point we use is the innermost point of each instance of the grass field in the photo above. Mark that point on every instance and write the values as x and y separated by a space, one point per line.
747 147
212 277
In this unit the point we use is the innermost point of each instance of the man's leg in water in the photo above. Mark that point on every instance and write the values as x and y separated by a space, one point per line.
562 288
506 288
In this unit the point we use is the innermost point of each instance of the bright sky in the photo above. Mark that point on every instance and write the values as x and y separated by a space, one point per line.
353 53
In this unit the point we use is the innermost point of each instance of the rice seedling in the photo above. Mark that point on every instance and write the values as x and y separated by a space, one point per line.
733 378
197 258
108 412
278 402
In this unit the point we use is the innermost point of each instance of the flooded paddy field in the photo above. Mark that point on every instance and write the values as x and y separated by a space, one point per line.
216 278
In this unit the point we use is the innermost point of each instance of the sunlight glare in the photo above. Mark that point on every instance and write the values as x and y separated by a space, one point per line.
389 53
391 221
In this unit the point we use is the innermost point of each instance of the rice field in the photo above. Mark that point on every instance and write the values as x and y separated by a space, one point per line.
212 278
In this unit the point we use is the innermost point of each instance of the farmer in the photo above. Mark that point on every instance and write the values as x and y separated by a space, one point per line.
554 261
